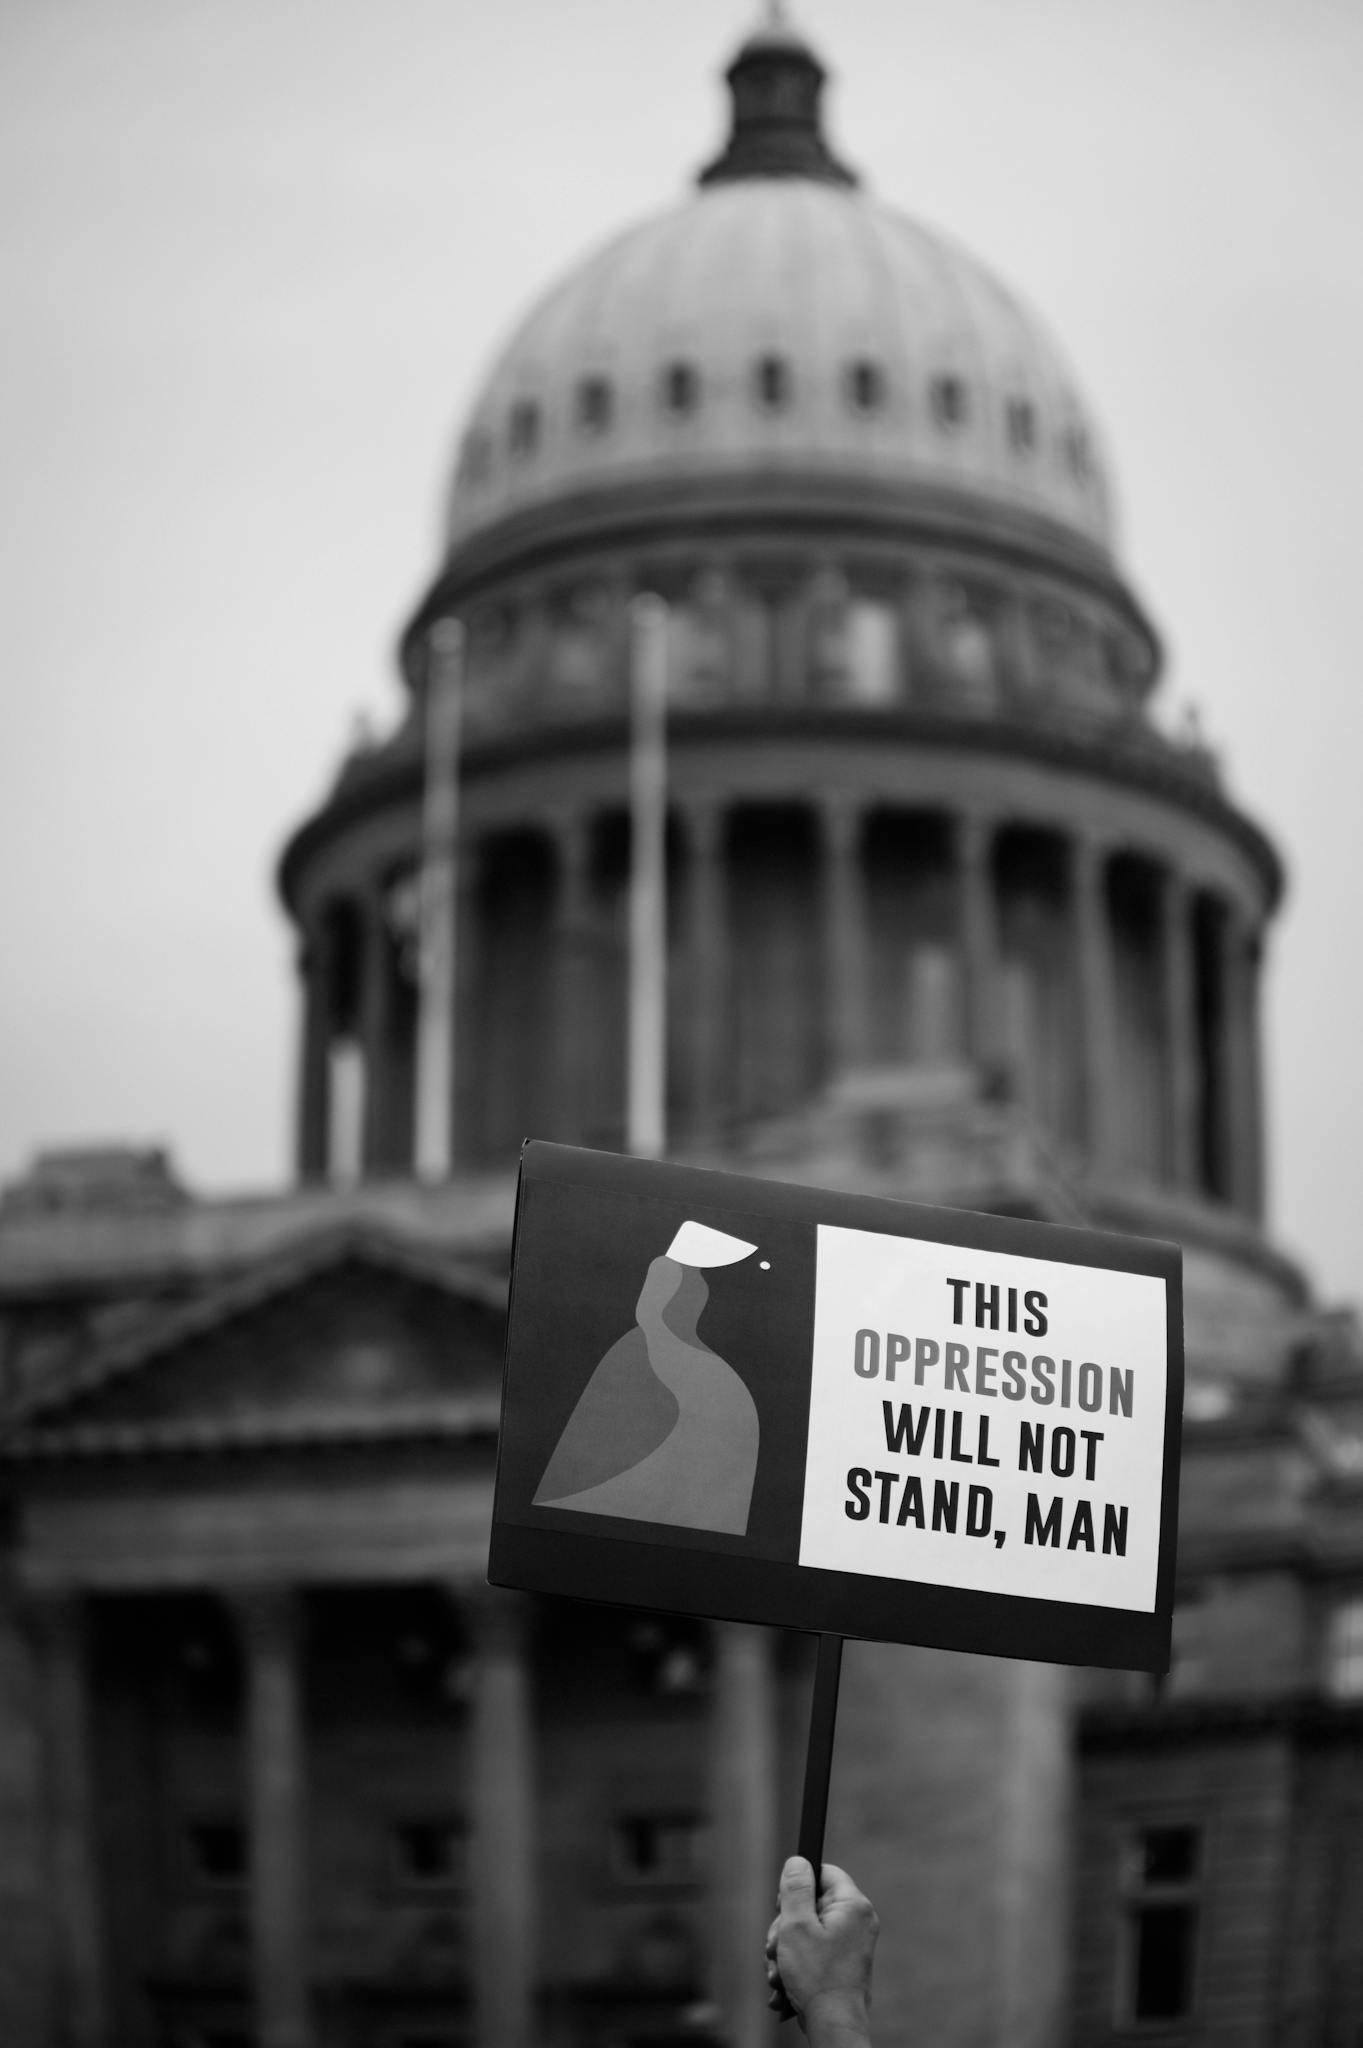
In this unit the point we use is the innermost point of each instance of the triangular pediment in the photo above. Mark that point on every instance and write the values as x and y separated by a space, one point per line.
346 1340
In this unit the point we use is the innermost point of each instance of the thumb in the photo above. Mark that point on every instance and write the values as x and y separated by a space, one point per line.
797 1889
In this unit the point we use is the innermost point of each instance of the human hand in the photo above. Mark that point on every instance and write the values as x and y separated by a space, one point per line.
819 1953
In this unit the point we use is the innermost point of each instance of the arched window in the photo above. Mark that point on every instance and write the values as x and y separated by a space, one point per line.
865 384
523 428
1077 453
595 405
1021 417
681 388
950 400
772 382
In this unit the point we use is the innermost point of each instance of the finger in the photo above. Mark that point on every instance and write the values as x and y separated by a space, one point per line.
797 1888
836 1888
772 1932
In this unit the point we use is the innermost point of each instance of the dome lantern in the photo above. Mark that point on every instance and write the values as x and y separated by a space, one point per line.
776 84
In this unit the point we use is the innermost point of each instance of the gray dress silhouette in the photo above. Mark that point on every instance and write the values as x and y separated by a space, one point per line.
665 1430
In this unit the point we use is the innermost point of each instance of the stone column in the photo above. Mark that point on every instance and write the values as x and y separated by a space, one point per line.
376 1010
1256 1190
269 1620
979 939
1241 1106
1034 1765
73 1866
1180 1030
502 1805
744 1855
1097 1016
468 1038
707 949
314 970
846 959
572 920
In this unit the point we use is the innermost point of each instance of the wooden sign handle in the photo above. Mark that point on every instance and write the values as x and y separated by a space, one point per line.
823 1715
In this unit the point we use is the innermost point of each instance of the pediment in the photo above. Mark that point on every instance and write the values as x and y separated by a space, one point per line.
347 1340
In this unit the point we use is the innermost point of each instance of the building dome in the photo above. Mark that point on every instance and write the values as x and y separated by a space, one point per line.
780 322
932 865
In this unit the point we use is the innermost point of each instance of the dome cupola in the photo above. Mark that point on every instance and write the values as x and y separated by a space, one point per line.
776 83
780 331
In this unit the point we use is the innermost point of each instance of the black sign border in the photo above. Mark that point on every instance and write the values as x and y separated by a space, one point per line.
634 1572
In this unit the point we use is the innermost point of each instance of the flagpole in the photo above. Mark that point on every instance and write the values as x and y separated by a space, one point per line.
646 1081
437 899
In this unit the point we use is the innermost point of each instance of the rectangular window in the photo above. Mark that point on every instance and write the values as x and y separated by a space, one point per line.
1344 1668
430 1854
1161 1878
656 1849
216 1853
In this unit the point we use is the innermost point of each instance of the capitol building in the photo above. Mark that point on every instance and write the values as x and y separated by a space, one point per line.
949 916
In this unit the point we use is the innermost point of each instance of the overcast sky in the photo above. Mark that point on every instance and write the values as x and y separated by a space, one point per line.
256 255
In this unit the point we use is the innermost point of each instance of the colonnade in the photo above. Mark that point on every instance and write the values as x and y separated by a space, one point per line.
503 1851
1197 979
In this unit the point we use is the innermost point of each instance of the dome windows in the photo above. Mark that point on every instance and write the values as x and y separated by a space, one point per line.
477 458
680 389
594 405
864 383
1078 459
950 400
1021 419
523 427
773 383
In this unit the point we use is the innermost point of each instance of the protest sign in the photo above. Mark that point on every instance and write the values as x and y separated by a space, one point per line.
745 1399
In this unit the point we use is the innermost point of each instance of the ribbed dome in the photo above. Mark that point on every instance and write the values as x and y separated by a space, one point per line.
782 323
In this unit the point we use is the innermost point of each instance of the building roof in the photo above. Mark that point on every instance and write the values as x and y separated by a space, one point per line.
782 321
355 1335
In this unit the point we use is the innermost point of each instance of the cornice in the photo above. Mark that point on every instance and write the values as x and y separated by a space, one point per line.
324 1252
467 1419
632 516
1146 765
1203 1225
1105 1728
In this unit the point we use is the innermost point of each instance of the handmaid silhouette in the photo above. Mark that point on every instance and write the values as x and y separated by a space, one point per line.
664 1430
